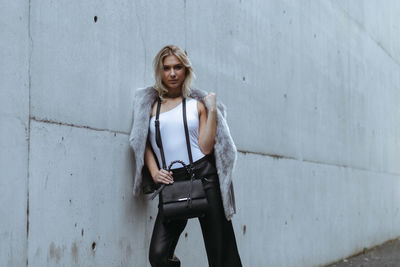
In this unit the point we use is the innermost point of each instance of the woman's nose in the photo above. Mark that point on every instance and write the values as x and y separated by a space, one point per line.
172 73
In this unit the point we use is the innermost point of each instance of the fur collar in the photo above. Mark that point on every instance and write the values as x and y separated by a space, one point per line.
224 149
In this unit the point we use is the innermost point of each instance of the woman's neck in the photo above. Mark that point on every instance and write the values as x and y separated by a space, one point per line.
173 93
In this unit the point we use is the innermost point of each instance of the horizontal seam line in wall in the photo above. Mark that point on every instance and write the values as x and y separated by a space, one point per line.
241 151
316 162
76 126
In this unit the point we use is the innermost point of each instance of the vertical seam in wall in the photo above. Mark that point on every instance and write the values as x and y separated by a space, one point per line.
29 129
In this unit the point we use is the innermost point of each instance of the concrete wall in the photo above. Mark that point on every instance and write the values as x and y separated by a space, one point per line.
14 131
312 90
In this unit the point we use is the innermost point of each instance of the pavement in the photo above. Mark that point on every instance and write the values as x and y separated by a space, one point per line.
385 255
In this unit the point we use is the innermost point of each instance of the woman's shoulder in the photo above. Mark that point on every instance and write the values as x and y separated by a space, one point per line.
144 96
197 94
191 99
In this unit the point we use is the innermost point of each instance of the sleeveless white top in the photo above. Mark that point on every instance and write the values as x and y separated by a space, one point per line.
173 134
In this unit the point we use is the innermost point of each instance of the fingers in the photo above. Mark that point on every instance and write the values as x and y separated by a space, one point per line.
166 173
210 96
210 100
164 177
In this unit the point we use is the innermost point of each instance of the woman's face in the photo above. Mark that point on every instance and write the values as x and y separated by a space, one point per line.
174 72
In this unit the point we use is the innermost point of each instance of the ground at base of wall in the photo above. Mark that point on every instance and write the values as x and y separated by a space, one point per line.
385 255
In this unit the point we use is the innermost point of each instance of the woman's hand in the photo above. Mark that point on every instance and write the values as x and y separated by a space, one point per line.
210 101
163 177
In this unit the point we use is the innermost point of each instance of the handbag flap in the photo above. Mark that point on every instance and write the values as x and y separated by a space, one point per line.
179 191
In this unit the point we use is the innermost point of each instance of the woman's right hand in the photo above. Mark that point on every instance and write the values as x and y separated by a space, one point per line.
163 177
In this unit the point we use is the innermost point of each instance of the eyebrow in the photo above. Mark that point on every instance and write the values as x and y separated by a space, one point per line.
179 64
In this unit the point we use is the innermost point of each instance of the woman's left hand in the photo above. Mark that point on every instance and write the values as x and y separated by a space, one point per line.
210 101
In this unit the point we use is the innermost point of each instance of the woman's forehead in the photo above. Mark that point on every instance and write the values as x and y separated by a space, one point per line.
171 60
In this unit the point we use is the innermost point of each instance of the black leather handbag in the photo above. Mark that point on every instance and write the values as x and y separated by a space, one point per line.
181 199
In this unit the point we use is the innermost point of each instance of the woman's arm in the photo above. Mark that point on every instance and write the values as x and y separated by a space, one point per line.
208 123
159 175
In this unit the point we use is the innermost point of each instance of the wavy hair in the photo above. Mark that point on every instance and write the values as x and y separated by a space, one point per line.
158 61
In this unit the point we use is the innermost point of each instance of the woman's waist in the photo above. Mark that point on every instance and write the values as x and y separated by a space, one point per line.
181 154
204 167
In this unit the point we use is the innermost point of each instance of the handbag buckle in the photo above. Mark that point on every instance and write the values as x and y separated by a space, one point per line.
190 169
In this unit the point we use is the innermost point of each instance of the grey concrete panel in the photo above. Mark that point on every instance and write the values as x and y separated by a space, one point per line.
82 209
316 68
309 208
14 114
378 19
13 192
300 80
296 213
83 72
14 66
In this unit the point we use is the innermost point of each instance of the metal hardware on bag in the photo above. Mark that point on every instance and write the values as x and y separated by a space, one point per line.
182 199
191 169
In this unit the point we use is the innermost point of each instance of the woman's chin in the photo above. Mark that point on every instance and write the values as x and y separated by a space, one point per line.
174 86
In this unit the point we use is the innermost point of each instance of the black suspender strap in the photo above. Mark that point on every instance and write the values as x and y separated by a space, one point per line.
158 134
189 149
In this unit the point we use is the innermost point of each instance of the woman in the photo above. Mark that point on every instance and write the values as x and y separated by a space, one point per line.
211 145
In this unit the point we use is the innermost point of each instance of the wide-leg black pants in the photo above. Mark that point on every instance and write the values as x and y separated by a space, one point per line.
218 234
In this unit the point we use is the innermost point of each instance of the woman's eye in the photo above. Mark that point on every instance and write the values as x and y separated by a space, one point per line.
178 67
166 68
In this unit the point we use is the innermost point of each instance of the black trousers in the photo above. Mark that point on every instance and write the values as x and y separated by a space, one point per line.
218 234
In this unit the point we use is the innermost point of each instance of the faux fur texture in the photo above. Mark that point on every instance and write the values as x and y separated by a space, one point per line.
224 148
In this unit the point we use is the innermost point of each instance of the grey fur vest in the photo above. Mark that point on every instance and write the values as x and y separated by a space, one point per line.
224 148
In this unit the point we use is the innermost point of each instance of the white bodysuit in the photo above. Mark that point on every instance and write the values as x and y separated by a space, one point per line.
173 134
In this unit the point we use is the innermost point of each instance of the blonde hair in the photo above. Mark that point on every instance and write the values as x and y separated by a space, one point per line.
158 61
